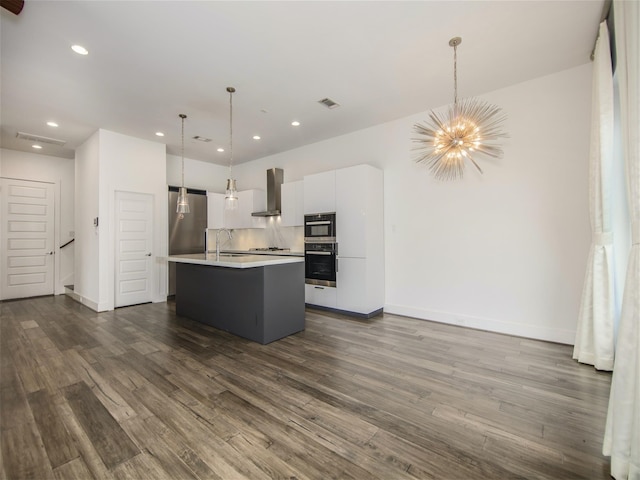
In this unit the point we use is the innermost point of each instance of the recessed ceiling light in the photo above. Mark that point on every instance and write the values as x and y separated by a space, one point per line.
37 147
53 124
221 149
295 123
80 50
159 134
256 137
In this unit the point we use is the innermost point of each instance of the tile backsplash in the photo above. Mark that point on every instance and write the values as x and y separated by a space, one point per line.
272 236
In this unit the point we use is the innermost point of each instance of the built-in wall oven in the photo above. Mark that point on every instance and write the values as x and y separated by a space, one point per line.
320 262
320 249
320 227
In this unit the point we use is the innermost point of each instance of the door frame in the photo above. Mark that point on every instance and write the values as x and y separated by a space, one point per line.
58 288
114 253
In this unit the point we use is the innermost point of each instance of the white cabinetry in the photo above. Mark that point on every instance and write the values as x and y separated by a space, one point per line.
215 210
360 238
320 296
352 203
292 214
320 192
248 201
353 285
358 203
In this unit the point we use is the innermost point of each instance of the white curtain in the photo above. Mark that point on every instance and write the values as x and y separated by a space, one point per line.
622 431
595 333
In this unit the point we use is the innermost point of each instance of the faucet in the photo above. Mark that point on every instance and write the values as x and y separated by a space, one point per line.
218 241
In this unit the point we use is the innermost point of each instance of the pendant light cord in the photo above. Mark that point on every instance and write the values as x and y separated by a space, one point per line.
183 116
230 129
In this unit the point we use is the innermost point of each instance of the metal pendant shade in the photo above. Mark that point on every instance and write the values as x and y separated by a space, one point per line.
468 128
183 201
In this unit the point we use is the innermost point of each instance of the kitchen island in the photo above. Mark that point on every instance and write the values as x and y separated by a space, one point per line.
257 297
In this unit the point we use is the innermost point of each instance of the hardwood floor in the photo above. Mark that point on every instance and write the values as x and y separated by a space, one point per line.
141 393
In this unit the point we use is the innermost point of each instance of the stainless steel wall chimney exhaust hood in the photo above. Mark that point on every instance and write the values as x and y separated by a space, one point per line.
275 177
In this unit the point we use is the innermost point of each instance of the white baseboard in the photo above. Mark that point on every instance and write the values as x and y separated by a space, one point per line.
537 332
83 300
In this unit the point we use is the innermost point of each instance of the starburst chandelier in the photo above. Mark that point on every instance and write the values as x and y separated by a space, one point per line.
467 128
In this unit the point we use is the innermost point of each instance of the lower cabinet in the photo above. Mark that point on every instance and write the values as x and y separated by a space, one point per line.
352 285
360 288
320 296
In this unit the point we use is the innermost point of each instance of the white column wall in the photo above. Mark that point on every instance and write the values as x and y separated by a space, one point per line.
505 251
131 165
87 239
108 162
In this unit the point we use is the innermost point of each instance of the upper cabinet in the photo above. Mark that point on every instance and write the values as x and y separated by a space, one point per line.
320 192
292 213
215 210
248 201
359 211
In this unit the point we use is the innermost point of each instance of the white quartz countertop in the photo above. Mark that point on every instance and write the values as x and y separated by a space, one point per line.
234 260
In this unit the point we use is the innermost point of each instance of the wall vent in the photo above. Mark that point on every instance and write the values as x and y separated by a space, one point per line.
201 139
30 137
327 102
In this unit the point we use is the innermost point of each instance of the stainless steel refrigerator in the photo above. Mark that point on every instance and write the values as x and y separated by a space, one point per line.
188 234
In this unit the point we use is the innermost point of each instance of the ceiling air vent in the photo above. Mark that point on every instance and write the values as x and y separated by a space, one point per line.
201 139
30 137
327 102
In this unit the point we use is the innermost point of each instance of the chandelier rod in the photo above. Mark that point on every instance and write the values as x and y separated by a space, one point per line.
454 42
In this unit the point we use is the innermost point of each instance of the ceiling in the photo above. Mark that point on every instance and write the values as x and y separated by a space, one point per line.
149 61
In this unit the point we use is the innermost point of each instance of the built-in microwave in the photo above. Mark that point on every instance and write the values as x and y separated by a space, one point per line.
320 227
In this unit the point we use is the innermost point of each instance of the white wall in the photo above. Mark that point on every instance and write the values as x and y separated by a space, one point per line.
504 251
59 171
197 174
87 242
109 162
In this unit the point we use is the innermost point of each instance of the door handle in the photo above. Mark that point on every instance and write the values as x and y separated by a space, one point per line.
49 253
148 255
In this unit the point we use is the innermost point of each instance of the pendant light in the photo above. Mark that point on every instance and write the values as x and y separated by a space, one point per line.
183 202
231 193
469 128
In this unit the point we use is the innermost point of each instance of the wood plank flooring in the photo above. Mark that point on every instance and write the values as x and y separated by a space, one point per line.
142 393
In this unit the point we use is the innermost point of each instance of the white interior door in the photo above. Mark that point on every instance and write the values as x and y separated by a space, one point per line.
27 238
134 241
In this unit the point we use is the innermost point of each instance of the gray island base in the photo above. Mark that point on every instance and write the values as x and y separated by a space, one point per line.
262 304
